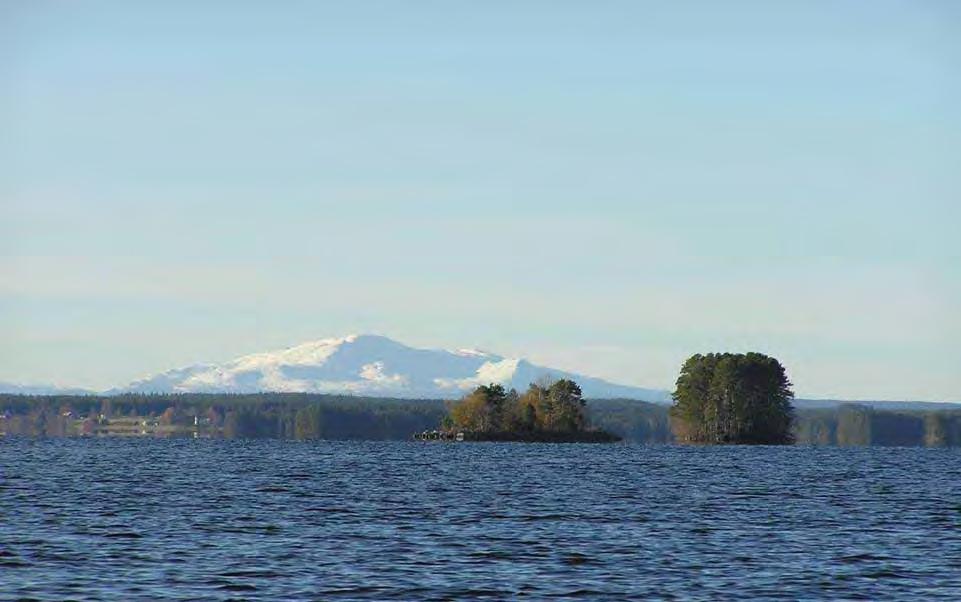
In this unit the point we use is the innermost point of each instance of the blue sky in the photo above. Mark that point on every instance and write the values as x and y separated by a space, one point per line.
601 186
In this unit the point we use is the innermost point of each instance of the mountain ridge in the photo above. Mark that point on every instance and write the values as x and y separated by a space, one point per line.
370 365
11 388
377 366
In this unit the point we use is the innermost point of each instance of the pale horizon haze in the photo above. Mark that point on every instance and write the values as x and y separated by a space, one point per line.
601 187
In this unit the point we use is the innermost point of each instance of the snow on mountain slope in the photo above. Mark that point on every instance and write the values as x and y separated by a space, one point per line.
370 365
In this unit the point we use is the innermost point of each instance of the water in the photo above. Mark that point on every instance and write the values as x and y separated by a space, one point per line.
166 519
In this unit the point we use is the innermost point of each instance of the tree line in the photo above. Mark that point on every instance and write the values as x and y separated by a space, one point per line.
859 425
240 416
311 416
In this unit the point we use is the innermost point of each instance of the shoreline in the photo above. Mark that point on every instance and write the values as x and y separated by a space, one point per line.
518 437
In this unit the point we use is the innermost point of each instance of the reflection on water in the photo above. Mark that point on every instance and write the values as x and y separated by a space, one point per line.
136 519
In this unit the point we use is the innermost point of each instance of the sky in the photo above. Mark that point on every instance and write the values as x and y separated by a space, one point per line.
607 187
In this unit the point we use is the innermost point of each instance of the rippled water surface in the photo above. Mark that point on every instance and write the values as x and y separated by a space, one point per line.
167 519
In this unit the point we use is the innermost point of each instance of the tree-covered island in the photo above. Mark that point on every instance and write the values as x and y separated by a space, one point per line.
733 398
548 412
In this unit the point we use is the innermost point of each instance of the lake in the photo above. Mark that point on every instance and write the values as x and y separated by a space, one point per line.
214 519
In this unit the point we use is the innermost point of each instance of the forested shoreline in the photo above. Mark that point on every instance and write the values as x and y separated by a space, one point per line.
247 416
312 416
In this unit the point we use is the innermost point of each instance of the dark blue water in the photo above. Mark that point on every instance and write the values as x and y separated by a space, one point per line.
167 519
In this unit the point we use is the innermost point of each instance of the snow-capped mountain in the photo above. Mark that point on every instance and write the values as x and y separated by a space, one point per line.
371 365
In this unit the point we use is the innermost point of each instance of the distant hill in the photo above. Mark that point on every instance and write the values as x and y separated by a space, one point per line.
817 404
19 389
826 404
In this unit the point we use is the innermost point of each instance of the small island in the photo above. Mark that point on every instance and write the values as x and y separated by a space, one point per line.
550 412
733 398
